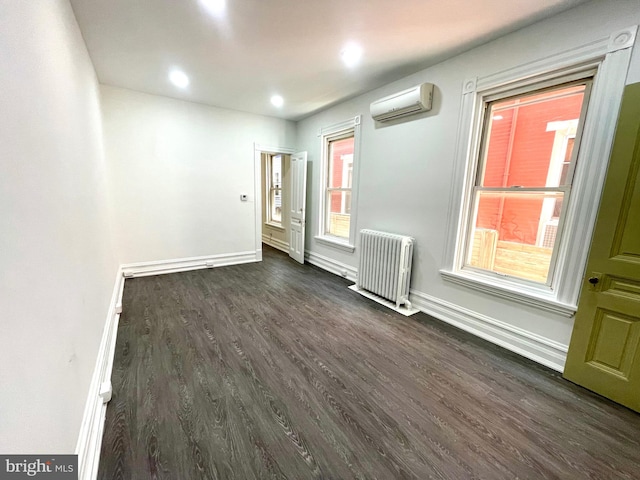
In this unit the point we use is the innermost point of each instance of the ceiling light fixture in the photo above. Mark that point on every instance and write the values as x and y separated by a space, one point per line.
216 8
351 54
277 101
179 78
498 117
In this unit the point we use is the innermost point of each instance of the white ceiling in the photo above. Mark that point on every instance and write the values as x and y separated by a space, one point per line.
290 47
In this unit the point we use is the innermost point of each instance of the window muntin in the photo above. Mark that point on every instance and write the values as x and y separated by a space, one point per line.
523 182
339 181
274 187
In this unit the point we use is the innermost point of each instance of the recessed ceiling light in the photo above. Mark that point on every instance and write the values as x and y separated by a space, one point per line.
179 78
498 117
217 8
277 101
351 54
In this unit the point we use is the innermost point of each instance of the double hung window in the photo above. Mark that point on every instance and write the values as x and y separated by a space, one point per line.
523 181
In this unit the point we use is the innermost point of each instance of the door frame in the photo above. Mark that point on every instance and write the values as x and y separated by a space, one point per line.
258 150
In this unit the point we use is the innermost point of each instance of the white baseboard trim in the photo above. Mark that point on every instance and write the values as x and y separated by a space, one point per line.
275 243
91 429
530 345
331 265
143 269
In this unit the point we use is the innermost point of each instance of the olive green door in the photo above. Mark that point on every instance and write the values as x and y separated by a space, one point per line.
604 354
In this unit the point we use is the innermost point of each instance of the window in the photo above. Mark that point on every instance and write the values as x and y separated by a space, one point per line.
339 184
339 164
524 200
523 182
274 187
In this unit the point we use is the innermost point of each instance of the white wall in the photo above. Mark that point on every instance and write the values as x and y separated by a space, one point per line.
177 170
57 268
406 169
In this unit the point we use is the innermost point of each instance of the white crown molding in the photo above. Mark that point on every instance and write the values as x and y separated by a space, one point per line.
142 269
542 350
91 429
331 265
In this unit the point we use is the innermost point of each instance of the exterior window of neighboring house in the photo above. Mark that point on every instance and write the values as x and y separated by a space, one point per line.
274 187
338 184
523 181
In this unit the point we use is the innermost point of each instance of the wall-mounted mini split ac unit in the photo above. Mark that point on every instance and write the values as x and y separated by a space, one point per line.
408 102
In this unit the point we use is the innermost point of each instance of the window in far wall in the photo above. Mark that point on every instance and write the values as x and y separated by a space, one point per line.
274 187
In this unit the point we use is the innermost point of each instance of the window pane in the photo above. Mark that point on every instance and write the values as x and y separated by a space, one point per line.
276 205
276 171
514 233
564 171
528 136
340 163
339 218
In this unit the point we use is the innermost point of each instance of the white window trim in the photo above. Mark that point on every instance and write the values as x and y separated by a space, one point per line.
610 57
564 130
275 226
269 187
351 125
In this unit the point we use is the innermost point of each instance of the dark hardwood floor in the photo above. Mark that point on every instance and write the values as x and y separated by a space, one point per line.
277 370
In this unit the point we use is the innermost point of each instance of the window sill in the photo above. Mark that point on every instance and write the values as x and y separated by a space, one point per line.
274 226
336 242
520 294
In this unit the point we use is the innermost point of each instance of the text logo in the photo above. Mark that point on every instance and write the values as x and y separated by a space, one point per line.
50 467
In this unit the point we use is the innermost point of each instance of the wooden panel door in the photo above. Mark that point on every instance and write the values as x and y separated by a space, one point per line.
604 354
298 202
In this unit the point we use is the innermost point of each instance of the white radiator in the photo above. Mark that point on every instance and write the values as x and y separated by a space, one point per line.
385 265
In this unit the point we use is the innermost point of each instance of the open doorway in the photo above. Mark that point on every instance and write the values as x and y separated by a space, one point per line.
280 199
276 198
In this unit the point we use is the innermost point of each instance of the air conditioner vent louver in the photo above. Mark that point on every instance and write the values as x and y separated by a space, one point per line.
408 102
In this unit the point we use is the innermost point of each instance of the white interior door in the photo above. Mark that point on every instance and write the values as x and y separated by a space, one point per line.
297 215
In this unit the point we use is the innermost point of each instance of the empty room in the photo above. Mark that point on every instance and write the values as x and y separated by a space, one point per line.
247 239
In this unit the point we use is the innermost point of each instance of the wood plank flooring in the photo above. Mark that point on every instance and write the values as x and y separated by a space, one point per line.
277 370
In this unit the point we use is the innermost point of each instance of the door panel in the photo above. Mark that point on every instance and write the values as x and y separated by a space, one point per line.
614 342
297 213
604 354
